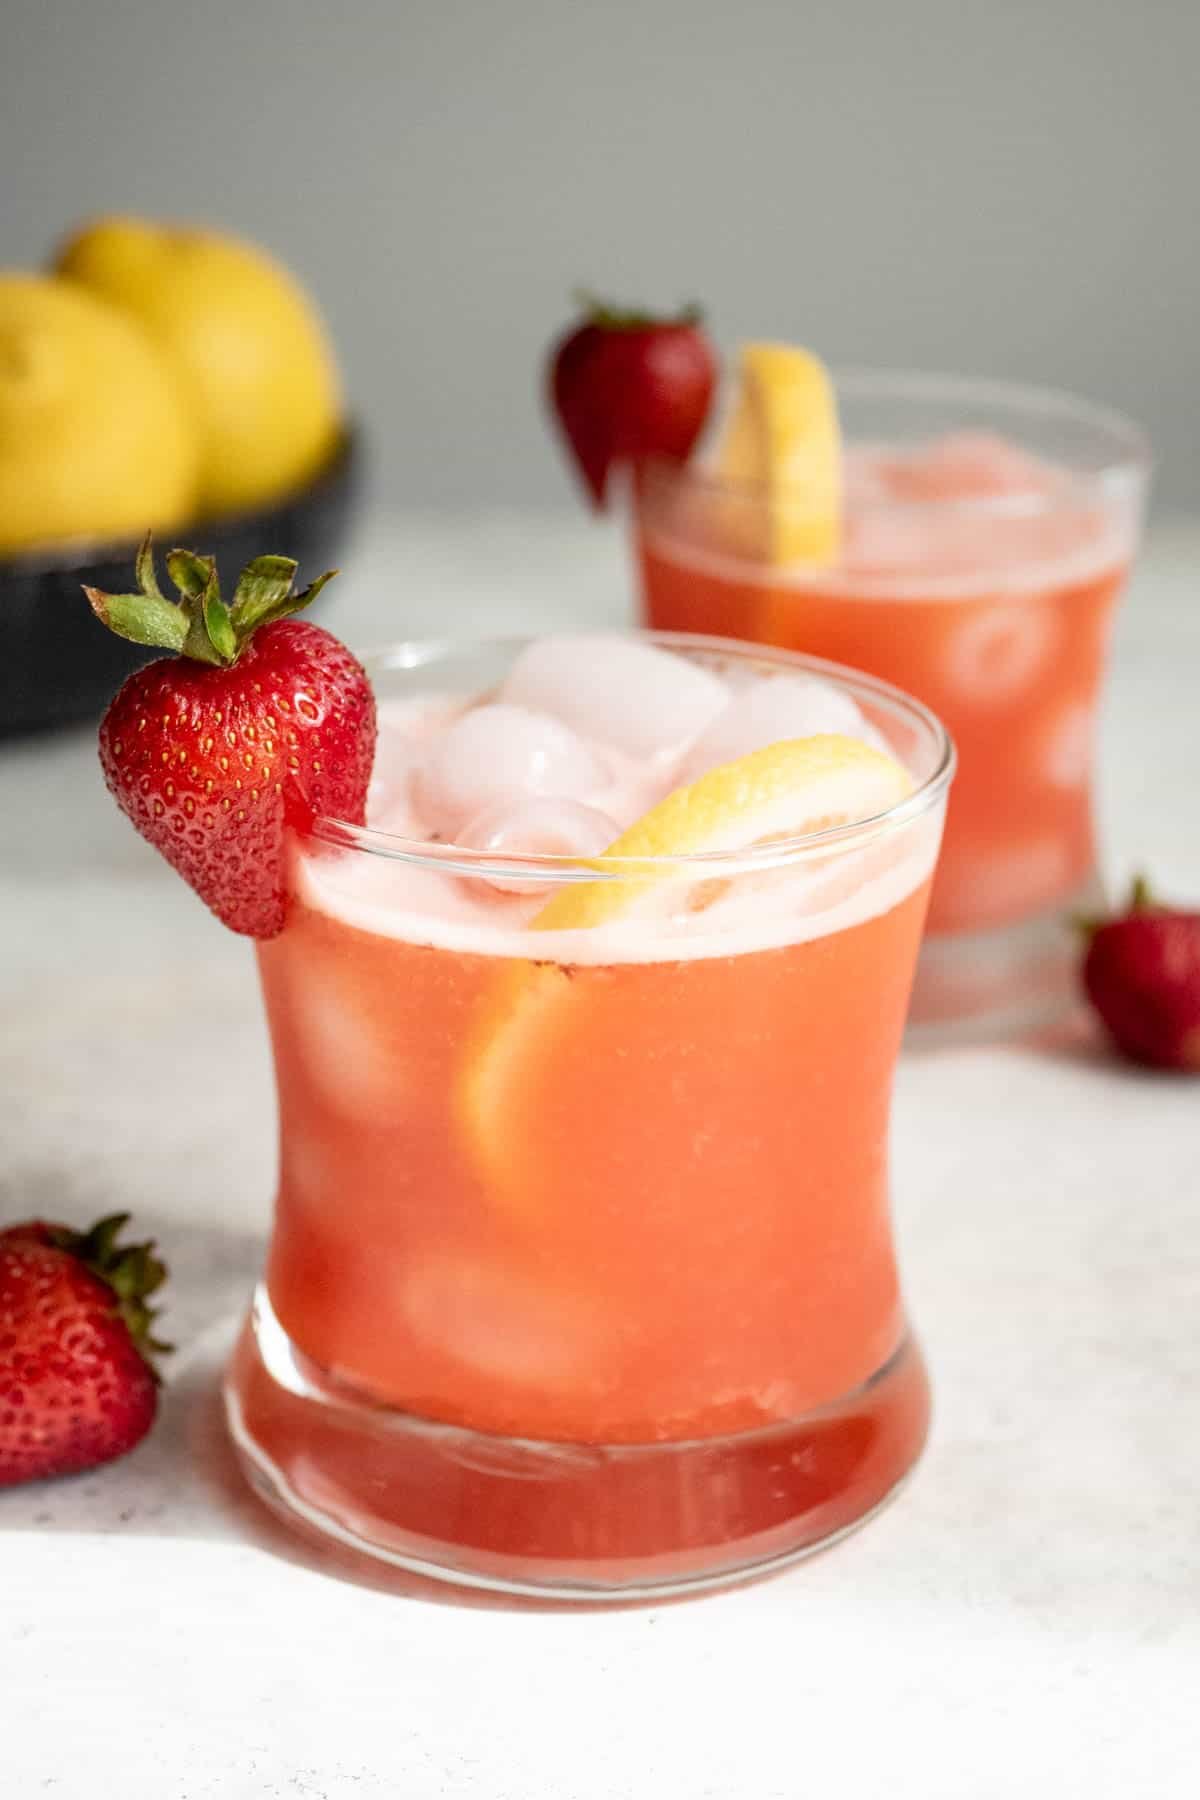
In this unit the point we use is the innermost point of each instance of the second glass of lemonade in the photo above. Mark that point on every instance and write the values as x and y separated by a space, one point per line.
987 533
582 1279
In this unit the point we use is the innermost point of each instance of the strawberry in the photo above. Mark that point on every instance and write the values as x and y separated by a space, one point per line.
259 723
626 385
76 1385
1142 975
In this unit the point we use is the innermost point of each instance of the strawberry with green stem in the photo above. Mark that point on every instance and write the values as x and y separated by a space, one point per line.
1141 973
626 385
77 1379
258 722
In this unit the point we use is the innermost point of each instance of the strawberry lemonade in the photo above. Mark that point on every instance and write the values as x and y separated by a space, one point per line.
968 543
582 1278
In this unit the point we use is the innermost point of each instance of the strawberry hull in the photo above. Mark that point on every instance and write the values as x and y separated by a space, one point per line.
259 722
624 387
76 1388
56 668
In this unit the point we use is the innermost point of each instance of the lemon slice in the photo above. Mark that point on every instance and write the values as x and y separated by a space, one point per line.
786 790
783 442
537 1012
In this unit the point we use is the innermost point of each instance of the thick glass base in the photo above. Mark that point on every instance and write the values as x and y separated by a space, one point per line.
977 985
566 1521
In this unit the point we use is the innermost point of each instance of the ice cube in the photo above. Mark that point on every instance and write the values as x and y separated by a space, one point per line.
312 1169
388 790
998 649
1065 747
495 752
405 724
1019 877
891 540
347 1061
969 465
617 691
773 709
497 1321
865 478
543 827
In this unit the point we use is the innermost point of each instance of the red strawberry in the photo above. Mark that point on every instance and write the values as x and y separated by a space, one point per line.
1142 975
626 385
76 1388
259 723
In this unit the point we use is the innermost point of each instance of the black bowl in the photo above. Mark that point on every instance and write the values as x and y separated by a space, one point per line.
59 665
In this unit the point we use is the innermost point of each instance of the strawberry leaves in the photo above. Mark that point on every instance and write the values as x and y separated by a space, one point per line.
200 625
218 626
190 573
132 1271
262 585
144 570
142 618
264 593
608 316
625 385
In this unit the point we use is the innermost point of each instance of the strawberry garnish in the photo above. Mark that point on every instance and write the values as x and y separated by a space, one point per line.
259 722
1142 975
77 1386
628 385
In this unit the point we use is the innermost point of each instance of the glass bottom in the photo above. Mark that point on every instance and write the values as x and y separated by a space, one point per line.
976 985
564 1521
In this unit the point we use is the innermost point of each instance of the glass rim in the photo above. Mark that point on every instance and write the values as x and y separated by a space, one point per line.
1128 468
457 859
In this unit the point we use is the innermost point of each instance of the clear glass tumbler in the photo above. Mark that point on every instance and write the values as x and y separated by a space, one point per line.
988 533
582 1278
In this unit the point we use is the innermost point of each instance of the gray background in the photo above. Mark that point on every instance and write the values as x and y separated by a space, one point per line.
1003 188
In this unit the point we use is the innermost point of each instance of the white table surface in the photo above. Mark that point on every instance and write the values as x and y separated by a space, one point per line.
1026 1619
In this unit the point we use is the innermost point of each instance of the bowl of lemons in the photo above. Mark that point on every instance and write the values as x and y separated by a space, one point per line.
162 378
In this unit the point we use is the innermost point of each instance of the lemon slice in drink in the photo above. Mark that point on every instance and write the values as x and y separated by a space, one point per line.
786 790
782 444
541 1016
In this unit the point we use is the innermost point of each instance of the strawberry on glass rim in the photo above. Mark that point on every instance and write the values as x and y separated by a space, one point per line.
627 384
258 722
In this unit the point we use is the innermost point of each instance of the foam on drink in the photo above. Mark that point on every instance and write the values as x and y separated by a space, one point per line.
567 780
966 512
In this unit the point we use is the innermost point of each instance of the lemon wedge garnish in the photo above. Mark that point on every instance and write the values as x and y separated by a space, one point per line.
783 444
538 1012
786 790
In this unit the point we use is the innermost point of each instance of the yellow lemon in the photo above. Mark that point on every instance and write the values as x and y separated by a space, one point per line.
244 339
782 792
786 790
94 441
782 451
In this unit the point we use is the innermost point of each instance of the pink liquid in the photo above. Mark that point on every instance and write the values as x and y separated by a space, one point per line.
978 579
635 1320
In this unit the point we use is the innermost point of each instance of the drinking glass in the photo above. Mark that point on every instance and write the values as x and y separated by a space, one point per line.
982 579
582 1279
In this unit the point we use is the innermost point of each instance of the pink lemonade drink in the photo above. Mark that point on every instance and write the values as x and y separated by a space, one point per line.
987 534
582 1278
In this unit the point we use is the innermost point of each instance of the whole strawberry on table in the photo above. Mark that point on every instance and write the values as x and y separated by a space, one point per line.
1141 973
77 1379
